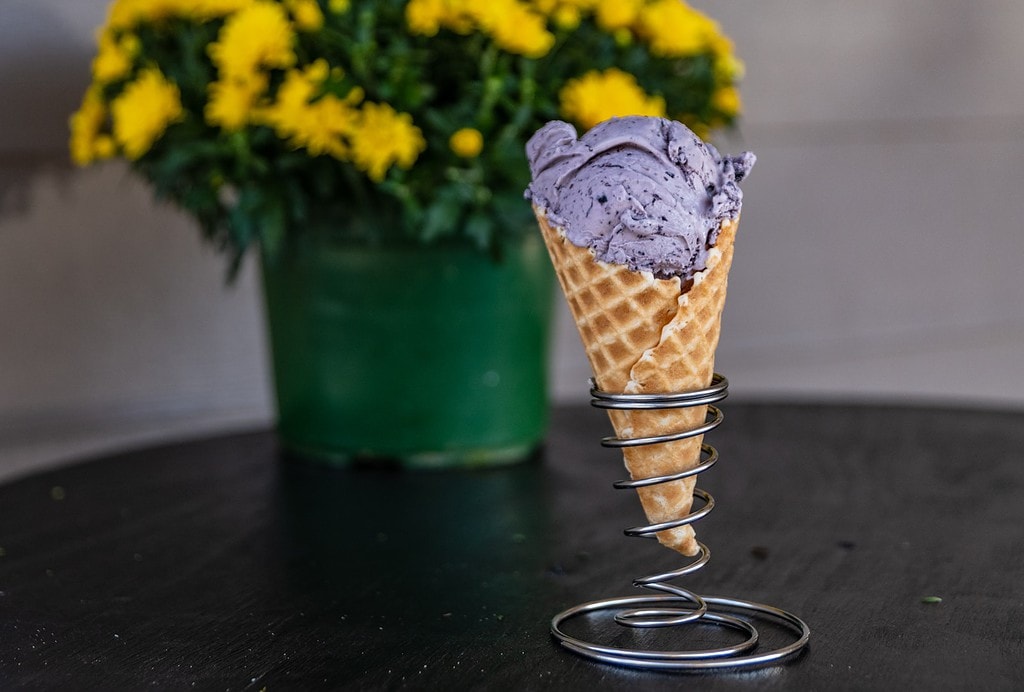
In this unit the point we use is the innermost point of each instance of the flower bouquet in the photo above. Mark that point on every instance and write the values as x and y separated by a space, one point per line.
389 123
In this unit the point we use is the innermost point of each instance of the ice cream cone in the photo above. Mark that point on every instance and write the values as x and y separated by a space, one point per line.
644 335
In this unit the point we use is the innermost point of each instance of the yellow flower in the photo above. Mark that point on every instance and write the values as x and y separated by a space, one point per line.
515 28
424 16
514 25
125 14
143 111
384 138
467 143
461 16
332 127
307 14
597 96
617 14
549 7
338 6
259 35
567 17
114 57
566 14
104 147
204 10
623 37
232 100
674 29
121 14
86 124
719 44
726 100
728 69
291 104
320 125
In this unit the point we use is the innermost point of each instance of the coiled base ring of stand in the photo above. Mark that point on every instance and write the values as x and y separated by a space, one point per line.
735 656
677 606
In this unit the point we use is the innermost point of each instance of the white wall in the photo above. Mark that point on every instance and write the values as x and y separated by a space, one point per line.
116 326
882 242
879 256
891 137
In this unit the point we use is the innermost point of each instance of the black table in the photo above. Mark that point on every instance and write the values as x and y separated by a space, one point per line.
217 564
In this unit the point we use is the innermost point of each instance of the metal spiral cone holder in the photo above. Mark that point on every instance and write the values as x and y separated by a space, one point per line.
675 606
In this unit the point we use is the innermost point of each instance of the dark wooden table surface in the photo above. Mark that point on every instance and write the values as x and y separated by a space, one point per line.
217 564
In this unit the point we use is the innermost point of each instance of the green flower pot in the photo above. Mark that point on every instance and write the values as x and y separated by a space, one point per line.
429 356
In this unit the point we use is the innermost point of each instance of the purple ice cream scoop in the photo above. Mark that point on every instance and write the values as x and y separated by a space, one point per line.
640 191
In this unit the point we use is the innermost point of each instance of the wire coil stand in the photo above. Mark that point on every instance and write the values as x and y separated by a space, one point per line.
675 606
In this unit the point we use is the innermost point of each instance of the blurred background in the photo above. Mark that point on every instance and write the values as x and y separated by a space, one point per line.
879 259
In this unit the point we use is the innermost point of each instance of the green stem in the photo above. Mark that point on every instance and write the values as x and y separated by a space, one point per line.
525 109
362 51
492 86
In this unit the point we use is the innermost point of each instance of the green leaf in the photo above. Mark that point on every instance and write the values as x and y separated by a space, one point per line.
480 229
443 215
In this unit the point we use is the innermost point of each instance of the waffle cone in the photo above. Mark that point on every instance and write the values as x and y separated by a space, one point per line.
644 335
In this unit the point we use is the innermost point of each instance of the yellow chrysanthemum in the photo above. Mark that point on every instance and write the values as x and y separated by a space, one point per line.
86 124
565 14
331 127
459 15
125 14
114 56
728 69
289 111
623 37
385 138
320 125
104 147
424 17
597 96
514 25
292 100
259 35
567 18
143 111
719 44
612 15
674 29
121 14
515 28
467 142
306 14
203 10
726 100
551 7
231 101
